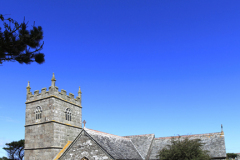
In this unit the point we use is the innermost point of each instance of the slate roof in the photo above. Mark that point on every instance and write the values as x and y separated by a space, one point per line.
214 142
143 143
117 146
147 146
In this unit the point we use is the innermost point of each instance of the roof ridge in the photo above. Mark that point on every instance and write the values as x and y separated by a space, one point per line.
150 148
136 149
71 144
188 135
107 133
138 135
97 142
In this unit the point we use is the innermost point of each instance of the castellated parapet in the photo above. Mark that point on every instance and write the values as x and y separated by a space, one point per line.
53 92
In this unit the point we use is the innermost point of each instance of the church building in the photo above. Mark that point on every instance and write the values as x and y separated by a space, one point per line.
53 131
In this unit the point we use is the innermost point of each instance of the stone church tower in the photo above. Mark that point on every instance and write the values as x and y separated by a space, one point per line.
52 119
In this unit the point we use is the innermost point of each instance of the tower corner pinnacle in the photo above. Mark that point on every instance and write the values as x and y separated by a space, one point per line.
79 92
28 87
53 80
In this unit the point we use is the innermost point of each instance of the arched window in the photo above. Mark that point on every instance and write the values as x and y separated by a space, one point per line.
68 114
38 112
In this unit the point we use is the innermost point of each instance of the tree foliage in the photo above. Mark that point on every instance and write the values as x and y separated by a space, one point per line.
19 44
184 149
15 150
231 155
4 158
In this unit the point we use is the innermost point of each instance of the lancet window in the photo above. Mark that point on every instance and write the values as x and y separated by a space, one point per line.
38 112
68 114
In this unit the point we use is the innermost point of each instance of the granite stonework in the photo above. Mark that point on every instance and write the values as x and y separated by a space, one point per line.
63 134
43 154
85 146
49 133
39 136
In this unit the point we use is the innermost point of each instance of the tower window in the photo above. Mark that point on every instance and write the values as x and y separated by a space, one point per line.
68 114
38 112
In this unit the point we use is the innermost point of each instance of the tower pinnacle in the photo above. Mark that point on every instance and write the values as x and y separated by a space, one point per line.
79 97
53 80
79 92
28 87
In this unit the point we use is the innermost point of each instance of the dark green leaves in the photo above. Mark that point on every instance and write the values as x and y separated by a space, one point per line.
231 155
15 150
19 44
184 149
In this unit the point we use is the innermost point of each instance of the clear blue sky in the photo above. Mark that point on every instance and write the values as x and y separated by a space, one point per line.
163 67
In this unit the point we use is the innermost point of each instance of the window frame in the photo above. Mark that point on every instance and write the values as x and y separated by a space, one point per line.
68 114
38 113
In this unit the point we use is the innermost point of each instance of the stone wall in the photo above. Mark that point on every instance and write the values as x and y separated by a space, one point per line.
47 111
84 147
42 154
39 136
52 131
60 107
52 125
63 134
47 135
53 90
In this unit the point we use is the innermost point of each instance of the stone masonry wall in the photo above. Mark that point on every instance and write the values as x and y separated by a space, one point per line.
46 136
60 107
39 136
69 130
84 147
47 111
63 134
53 109
53 90
42 154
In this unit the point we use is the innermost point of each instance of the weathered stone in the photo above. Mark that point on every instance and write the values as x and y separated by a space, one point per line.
213 142
143 143
46 135
85 146
53 129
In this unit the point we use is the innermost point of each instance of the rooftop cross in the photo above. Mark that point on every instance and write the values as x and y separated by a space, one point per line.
84 122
